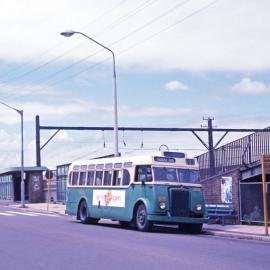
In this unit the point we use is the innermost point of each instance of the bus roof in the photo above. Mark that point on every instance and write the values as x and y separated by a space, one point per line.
158 158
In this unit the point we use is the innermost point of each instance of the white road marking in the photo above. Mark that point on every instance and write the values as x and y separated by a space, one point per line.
21 213
7 214
42 214
26 213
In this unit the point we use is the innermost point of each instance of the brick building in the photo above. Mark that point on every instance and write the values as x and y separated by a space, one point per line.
237 176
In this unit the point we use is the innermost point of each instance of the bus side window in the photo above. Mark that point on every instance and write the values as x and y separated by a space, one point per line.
107 178
143 173
98 179
75 176
126 177
117 176
82 178
90 178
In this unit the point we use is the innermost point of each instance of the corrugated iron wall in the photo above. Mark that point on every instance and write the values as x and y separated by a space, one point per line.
243 151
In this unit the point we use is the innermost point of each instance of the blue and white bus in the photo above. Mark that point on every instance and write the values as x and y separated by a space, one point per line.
140 190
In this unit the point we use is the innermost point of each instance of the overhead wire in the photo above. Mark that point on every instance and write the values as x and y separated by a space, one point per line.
195 12
55 46
167 12
127 16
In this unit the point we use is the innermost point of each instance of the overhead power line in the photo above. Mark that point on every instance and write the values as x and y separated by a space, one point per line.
150 22
195 12
100 16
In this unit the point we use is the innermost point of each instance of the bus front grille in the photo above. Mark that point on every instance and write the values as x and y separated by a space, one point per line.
179 202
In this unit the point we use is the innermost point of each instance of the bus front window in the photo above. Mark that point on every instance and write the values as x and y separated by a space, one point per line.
165 174
168 174
188 176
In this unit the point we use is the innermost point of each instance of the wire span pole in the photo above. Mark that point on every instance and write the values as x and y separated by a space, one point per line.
116 143
20 112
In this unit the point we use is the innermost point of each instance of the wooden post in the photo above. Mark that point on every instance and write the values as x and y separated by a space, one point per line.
265 160
49 176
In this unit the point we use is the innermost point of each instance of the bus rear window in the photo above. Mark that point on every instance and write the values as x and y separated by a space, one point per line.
90 178
82 178
75 176
98 179
126 178
107 178
117 176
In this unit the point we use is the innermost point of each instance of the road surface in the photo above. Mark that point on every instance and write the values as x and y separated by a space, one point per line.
37 241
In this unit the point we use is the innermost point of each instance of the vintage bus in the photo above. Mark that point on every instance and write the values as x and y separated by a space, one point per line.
139 190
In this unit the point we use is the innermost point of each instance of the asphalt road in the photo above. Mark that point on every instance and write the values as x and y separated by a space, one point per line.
38 242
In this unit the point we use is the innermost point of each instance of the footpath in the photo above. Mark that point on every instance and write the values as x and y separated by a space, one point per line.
250 232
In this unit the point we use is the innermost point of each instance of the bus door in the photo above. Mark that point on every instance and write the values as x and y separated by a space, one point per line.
143 176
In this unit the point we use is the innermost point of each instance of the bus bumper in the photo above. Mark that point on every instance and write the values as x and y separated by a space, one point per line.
175 219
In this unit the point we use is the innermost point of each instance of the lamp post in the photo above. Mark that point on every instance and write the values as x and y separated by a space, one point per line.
20 112
116 147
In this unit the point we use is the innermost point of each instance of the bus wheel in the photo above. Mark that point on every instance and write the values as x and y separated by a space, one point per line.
83 214
142 223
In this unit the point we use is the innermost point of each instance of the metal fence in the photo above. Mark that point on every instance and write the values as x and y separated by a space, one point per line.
241 152
251 203
6 187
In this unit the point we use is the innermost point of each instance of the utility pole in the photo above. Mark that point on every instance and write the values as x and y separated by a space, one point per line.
211 146
38 158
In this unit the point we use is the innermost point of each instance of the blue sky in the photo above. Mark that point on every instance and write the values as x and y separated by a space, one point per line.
176 62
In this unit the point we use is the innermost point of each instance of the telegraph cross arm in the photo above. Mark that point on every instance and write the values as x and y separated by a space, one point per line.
209 129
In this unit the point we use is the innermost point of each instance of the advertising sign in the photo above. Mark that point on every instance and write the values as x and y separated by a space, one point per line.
108 197
226 189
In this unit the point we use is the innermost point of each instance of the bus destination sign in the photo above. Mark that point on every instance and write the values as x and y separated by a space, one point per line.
164 159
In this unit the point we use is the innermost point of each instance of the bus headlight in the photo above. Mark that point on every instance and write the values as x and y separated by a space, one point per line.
198 207
162 205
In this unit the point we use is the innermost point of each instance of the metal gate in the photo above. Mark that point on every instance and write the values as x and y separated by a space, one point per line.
251 203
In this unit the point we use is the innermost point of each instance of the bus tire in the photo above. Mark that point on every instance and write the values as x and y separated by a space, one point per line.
141 221
83 214
194 228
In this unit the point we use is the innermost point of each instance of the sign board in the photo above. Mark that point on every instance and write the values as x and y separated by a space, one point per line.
226 189
109 197
49 174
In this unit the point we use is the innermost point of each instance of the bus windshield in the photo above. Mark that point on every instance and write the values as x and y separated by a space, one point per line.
168 174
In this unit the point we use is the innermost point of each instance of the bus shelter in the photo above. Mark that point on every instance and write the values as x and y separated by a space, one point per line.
10 184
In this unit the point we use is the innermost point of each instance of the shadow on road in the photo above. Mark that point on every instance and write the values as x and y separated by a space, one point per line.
157 228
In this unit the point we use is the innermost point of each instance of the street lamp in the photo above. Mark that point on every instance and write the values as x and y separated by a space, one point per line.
116 148
20 112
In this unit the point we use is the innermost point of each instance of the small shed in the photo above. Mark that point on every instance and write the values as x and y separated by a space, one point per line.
10 184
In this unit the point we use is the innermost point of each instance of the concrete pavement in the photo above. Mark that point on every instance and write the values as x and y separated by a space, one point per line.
234 231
